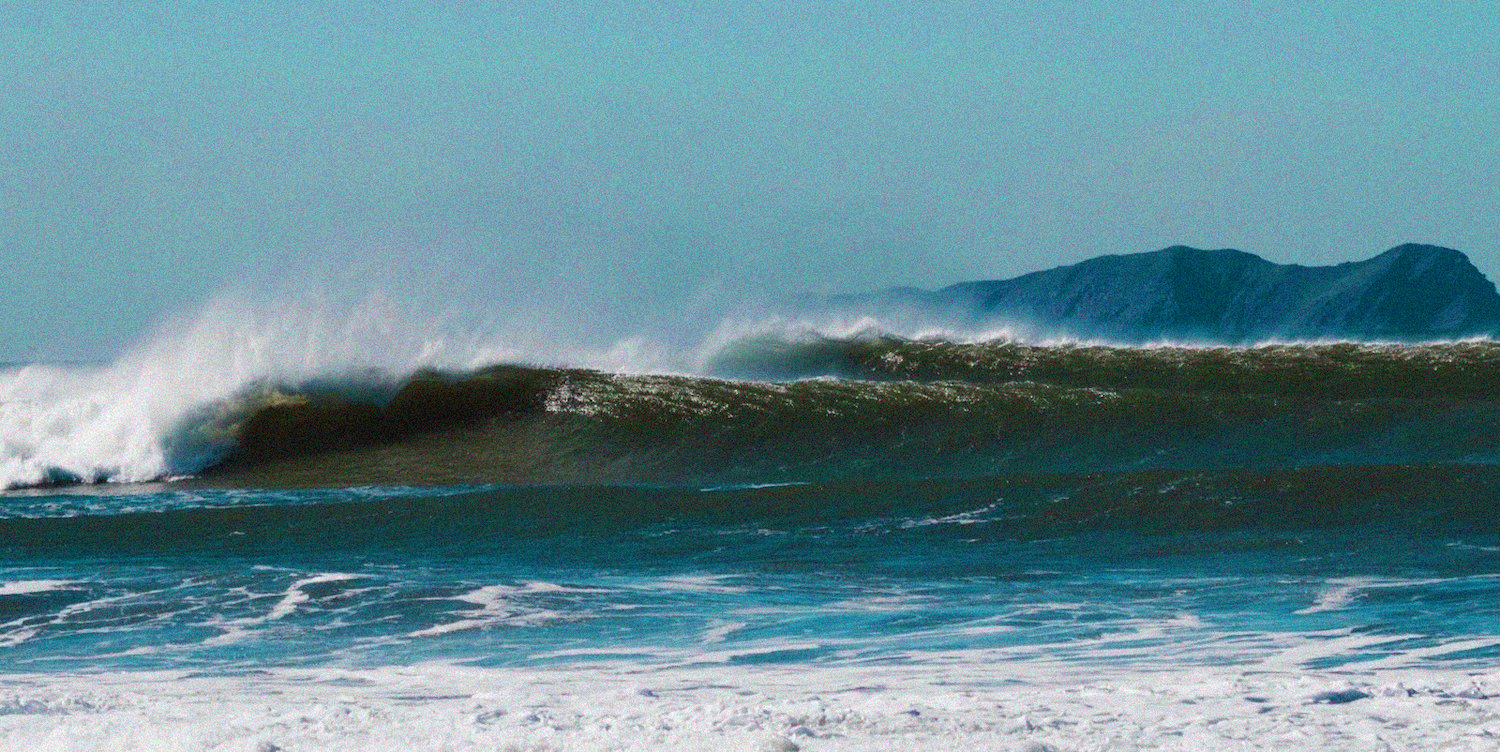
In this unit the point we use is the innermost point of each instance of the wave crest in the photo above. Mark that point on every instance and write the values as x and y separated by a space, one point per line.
365 397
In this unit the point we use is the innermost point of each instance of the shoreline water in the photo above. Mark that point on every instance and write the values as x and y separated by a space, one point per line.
959 705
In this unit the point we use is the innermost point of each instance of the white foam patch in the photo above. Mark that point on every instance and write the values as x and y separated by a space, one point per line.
972 517
1341 592
18 631
296 596
622 706
503 605
233 630
719 629
707 583
26 587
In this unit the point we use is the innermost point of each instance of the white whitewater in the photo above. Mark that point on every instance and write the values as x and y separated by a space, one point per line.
127 421
963 706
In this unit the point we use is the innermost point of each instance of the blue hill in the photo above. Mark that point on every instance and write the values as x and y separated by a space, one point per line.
1409 293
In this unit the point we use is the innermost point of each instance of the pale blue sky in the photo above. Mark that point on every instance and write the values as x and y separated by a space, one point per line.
612 164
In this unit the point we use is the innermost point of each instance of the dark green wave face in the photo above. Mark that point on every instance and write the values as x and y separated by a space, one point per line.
897 409
777 410
1332 371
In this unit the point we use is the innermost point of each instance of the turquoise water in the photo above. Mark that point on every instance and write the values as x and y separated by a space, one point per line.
1178 567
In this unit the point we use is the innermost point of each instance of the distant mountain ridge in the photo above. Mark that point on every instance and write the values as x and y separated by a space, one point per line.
1410 293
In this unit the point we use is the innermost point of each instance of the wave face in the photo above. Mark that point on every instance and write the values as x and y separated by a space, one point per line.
863 408
167 407
778 409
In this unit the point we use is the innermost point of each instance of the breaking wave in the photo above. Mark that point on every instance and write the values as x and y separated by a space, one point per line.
241 396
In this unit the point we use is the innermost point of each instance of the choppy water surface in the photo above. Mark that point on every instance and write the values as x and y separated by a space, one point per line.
1158 566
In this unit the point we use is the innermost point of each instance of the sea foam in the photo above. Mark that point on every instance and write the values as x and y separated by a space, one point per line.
115 422
132 419
965 706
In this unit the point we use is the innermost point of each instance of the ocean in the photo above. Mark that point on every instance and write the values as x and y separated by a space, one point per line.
851 541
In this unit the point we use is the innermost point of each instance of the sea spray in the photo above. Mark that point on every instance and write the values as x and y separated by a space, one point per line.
115 421
168 405
770 400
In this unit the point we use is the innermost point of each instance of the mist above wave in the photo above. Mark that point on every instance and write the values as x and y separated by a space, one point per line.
151 412
247 378
123 420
